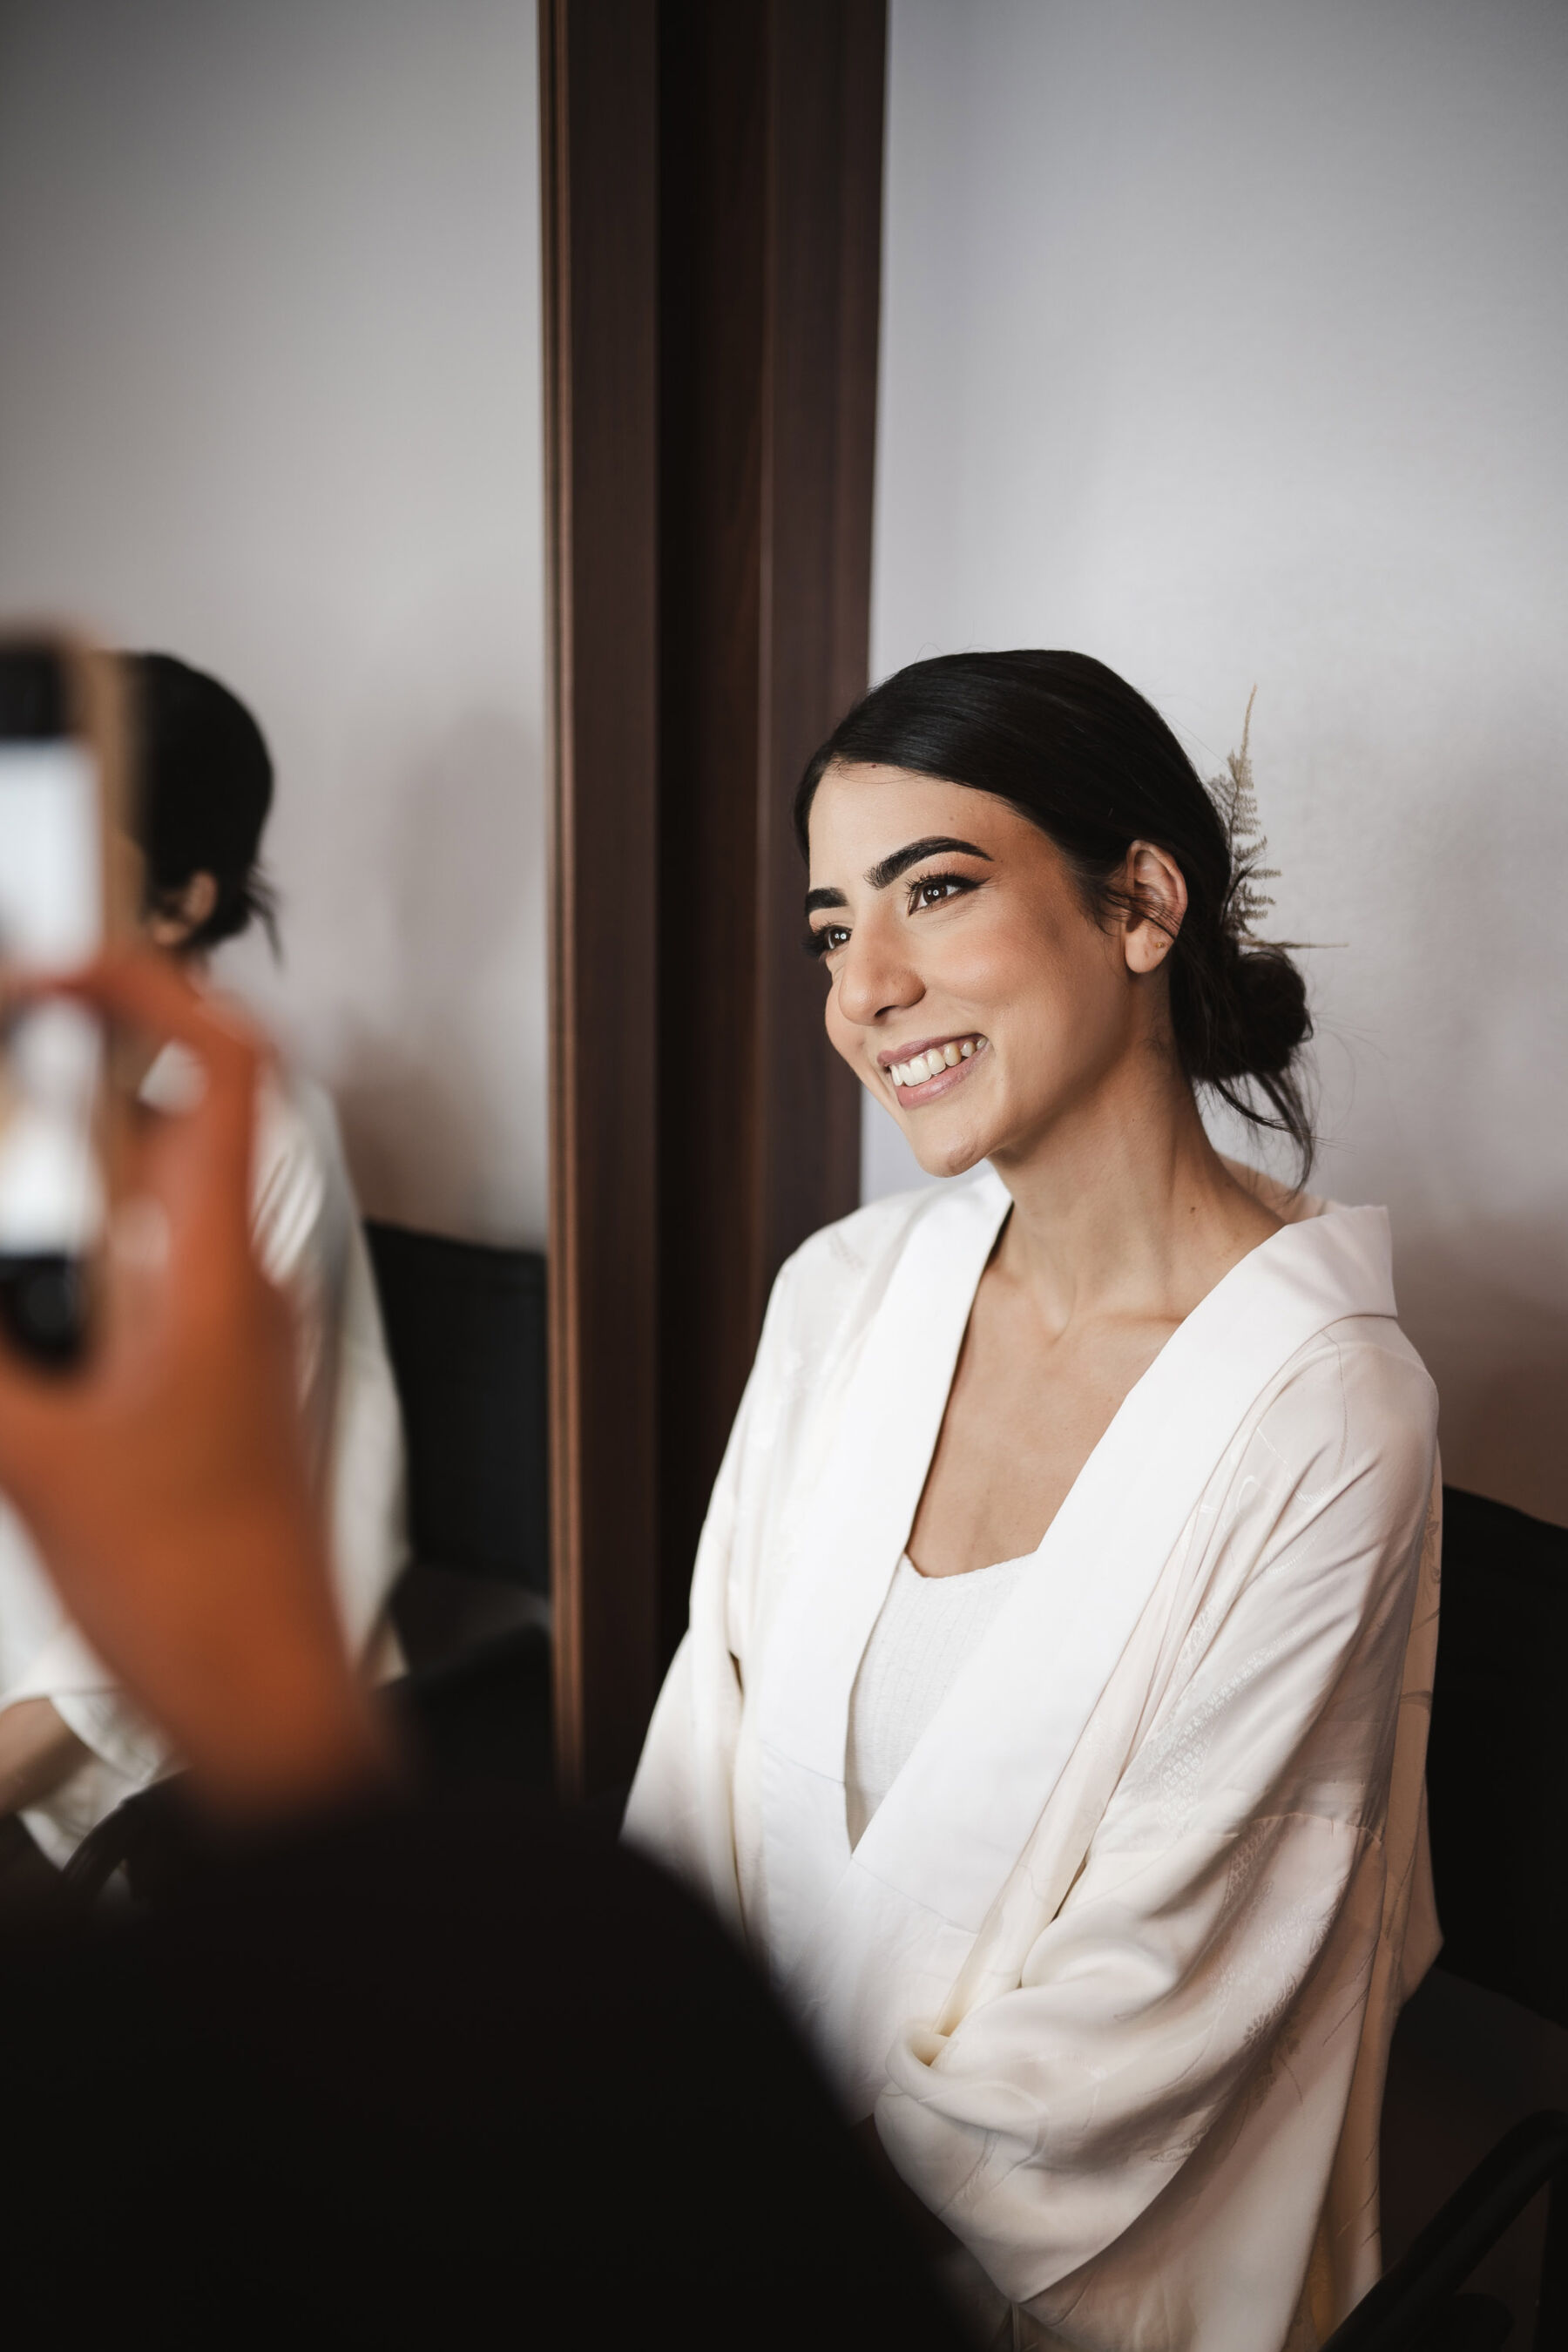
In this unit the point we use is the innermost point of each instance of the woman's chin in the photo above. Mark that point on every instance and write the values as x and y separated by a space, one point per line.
944 1155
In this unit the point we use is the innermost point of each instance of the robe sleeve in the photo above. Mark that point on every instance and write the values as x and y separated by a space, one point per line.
681 1809
1238 1861
680 1812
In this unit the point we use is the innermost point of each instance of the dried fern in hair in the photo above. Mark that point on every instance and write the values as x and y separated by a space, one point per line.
1247 902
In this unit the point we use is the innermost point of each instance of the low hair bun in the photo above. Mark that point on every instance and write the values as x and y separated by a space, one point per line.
1259 1032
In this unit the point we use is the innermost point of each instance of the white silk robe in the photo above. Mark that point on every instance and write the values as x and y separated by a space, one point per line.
1116 1961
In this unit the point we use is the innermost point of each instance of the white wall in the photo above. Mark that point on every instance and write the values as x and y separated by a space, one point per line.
269 398
1225 340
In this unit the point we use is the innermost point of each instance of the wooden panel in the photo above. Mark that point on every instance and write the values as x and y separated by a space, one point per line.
771 112
598 108
713 321
713 203
824 270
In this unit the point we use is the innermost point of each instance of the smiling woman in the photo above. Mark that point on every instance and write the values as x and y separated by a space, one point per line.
1064 743
1052 1713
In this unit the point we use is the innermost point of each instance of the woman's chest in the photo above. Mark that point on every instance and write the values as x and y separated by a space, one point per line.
1024 1415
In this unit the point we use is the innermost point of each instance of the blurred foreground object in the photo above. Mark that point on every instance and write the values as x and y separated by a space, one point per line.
64 896
429 2077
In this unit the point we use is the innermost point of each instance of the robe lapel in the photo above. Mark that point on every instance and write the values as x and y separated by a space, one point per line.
849 1538
900 1915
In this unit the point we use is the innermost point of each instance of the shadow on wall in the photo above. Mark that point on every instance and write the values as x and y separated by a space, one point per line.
1500 1357
443 1102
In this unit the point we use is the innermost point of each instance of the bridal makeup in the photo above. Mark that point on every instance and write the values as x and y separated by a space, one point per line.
971 991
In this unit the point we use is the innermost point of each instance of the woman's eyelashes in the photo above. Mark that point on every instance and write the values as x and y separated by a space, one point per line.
929 890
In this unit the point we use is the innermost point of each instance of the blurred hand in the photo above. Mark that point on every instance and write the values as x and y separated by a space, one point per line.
165 1480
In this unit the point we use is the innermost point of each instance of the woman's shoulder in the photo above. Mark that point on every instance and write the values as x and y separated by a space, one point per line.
303 1209
291 1189
299 1185
1355 1402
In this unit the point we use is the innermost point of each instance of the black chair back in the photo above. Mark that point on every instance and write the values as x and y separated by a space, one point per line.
1497 1784
466 1332
1496 1769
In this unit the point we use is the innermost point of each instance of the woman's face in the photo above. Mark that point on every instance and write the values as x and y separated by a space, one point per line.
969 989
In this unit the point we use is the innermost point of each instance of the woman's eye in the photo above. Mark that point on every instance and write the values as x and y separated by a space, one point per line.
935 888
828 938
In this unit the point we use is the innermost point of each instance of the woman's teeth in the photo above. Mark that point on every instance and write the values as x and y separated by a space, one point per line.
921 1067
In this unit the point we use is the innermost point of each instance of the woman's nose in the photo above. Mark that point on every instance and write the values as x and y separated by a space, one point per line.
874 979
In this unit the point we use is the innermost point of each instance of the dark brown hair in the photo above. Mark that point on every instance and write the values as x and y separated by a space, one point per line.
204 788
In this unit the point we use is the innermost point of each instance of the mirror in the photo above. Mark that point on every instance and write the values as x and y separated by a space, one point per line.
269 287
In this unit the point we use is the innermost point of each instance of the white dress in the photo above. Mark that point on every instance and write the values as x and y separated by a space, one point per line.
1116 1960
308 1232
927 1628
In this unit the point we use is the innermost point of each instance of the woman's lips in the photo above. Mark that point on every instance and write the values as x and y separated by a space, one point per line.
954 1057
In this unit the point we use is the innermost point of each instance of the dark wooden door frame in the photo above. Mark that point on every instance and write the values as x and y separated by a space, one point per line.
598 65
713 177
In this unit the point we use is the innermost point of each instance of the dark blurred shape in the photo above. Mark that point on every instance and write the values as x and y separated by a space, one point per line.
1415 2306
43 1304
1496 1769
477 1724
43 1307
34 694
31 1889
434 2077
481 1719
1497 1785
466 1332
1472 2323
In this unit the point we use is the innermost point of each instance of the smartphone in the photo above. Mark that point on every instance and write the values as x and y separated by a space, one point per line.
60 787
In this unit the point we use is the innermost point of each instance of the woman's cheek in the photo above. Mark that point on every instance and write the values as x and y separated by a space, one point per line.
999 971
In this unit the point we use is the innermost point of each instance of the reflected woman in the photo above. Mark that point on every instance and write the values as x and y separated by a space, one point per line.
1052 1715
72 1746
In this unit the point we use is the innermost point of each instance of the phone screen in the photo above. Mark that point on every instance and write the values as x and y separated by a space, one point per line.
51 917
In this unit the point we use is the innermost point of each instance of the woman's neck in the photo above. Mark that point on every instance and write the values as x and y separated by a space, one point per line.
1123 1208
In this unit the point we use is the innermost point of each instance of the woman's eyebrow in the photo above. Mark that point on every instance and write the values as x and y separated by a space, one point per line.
891 868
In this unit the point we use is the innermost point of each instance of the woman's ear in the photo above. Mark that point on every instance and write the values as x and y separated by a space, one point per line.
181 913
1158 890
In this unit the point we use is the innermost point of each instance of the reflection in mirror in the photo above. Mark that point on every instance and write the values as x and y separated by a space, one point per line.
266 413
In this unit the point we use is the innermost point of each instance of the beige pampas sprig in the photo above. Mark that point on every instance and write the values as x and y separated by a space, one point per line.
1237 801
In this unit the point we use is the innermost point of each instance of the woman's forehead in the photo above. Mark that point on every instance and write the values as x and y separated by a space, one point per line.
858 776
861 812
